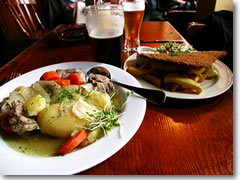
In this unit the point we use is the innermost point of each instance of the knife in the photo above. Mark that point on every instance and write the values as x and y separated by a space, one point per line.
161 41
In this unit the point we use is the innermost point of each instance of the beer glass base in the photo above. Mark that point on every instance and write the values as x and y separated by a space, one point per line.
130 49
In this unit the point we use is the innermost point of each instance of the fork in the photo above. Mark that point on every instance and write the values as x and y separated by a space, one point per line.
12 76
9 78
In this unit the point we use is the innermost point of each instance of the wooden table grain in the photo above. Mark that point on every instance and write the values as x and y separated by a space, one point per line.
180 137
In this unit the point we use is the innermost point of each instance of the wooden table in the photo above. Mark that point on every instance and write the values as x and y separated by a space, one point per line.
179 137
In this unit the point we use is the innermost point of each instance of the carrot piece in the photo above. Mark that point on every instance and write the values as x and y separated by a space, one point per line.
5 123
50 76
73 142
75 79
63 82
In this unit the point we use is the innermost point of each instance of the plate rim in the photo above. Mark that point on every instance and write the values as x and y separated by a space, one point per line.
5 170
185 96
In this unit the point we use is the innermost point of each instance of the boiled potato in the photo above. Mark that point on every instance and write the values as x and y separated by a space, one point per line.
99 99
34 105
54 122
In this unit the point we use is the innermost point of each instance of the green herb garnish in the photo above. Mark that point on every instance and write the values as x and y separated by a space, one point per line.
174 49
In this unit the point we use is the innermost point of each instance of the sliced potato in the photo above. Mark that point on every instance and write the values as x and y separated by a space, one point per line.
153 79
183 81
138 71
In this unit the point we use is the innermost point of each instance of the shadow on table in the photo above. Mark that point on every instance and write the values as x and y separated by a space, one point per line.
184 103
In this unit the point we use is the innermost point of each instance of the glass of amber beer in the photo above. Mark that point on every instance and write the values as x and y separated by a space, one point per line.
105 24
133 16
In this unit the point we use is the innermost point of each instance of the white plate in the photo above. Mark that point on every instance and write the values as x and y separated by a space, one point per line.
14 163
211 88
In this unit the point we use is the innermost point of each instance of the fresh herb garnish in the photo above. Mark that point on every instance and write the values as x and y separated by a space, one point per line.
174 49
103 119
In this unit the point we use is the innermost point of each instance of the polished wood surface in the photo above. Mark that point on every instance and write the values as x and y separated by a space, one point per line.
180 137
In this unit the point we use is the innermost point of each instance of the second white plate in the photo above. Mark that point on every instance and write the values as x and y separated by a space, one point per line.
212 87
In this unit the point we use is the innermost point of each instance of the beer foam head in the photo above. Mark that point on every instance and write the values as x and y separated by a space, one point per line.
137 5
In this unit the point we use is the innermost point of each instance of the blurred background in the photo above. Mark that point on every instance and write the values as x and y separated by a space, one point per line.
205 24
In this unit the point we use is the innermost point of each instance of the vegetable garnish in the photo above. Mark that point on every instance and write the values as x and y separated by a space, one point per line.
63 95
5 123
174 49
50 76
73 142
75 79
106 120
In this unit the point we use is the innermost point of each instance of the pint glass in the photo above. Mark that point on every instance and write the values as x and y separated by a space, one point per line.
105 25
133 16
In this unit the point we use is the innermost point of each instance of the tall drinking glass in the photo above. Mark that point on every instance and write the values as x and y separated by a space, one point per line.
133 16
105 24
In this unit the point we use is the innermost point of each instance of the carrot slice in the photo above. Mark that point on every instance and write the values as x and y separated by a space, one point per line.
72 143
50 76
5 123
75 79
63 82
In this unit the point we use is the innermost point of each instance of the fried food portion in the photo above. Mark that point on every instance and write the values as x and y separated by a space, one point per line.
176 67
187 81
194 59
216 54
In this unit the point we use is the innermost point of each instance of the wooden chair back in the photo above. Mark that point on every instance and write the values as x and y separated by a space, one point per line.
26 15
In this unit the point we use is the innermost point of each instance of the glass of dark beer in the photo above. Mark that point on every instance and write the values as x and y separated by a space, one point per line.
105 23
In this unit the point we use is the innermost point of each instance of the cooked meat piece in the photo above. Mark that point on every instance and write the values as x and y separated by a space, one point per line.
18 121
64 73
102 83
17 107
3 102
4 105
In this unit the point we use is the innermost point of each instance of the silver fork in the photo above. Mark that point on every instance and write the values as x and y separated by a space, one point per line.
11 77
